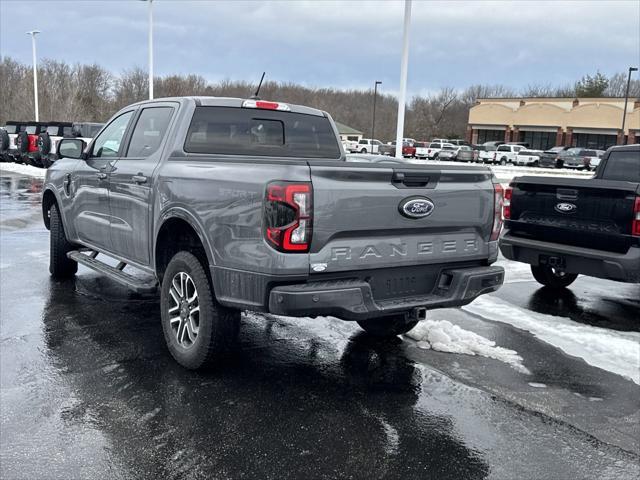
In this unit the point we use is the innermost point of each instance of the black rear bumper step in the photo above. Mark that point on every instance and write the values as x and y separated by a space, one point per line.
139 285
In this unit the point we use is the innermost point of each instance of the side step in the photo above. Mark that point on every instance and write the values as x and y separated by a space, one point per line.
139 285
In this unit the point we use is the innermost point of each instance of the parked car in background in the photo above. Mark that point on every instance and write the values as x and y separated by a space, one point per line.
458 142
506 153
529 158
564 227
448 152
367 145
27 144
579 158
421 149
8 135
594 162
549 158
435 148
49 139
466 154
440 140
408 149
196 191
350 146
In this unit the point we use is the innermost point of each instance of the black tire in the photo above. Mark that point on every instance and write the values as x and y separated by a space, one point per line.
46 161
59 265
22 142
549 277
4 141
44 144
503 161
218 326
364 150
387 326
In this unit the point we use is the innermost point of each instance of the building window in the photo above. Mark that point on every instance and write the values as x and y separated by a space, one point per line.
539 140
490 136
593 140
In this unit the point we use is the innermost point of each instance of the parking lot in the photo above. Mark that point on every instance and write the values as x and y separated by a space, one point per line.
88 387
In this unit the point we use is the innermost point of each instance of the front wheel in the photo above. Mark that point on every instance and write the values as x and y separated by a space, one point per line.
387 326
551 277
197 329
364 150
60 266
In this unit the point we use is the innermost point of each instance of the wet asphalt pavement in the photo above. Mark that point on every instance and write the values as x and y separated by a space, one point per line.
88 389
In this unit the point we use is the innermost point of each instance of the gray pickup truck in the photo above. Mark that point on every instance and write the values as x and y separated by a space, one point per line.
229 205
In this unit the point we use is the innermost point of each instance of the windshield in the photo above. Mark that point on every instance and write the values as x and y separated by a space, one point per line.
11 128
31 129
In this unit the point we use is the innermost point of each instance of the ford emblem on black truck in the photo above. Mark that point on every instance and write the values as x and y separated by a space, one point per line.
566 208
416 207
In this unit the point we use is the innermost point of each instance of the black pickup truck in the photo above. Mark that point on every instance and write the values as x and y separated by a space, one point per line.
564 227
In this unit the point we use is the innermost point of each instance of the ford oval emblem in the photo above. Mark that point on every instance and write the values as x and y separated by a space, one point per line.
416 207
565 208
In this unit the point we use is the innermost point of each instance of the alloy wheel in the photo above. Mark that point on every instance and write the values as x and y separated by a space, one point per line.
184 313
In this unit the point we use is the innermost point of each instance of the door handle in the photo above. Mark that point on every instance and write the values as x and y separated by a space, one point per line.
101 176
139 179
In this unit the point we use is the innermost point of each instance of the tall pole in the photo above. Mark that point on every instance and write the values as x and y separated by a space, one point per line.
626 99
373 122
403 77
33 34
150 49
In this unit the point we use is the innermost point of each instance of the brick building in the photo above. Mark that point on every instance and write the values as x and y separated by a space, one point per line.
547 122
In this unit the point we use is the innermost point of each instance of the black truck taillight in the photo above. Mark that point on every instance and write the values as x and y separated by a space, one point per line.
506 209
288 216
498 201
635 224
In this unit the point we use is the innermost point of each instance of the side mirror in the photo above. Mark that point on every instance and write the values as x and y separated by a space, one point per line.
71 148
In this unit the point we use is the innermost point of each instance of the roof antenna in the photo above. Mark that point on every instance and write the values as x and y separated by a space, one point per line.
255 95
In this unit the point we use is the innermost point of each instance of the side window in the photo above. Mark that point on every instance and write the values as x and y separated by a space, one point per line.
107 144
150 129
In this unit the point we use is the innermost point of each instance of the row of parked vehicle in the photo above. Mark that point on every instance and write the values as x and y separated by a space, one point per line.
495 152
36 143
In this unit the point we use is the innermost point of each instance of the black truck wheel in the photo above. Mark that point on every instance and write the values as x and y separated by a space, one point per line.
44 144
4 141
197 329
550 277
60 266
387 326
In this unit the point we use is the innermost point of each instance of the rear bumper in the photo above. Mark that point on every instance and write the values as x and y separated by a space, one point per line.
624 267
353 299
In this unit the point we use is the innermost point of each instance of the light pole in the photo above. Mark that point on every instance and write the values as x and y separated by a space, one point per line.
33 34
150 48
626 99
373 122
403 78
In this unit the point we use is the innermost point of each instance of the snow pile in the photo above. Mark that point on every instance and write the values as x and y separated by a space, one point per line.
614 351
22 169
443 336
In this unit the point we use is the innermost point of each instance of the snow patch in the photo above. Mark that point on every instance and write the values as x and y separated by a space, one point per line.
611 350
537 385
443 336
23 169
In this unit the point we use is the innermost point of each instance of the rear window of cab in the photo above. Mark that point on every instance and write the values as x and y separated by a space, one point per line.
262 133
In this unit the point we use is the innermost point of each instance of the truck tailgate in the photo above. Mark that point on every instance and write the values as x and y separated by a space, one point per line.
586 213
359 223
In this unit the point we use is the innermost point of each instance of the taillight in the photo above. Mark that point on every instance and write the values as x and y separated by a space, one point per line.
498 202
506 209
288 216
635 224
265 105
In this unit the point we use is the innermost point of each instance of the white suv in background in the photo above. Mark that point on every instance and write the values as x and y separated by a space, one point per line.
435 147
367 145
529 158
506 153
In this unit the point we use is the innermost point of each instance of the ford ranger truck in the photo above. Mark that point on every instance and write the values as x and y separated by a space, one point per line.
563 227
228 205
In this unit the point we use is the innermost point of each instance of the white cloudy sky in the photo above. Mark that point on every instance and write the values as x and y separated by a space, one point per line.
337 43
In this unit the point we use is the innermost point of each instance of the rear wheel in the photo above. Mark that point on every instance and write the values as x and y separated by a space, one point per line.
197 329
364 150
60 266
387 326
552 277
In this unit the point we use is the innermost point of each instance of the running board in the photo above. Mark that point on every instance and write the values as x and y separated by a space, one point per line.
139 285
